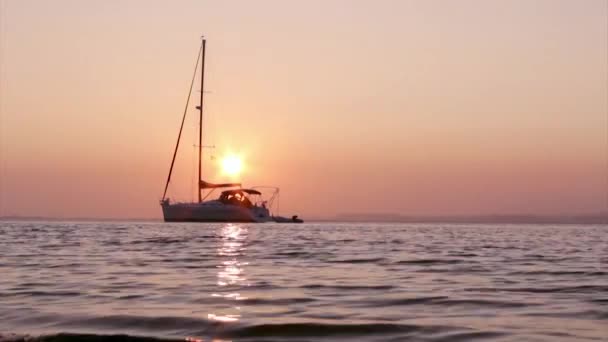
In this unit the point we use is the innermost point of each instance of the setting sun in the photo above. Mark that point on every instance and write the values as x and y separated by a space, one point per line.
232 165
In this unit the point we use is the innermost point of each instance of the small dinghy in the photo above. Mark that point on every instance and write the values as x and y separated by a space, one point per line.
293 219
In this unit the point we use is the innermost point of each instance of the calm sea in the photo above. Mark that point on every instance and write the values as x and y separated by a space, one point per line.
64 281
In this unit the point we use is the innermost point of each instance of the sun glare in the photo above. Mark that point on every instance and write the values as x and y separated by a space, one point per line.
232 165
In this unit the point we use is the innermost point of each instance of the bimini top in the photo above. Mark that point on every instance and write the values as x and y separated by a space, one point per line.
240 192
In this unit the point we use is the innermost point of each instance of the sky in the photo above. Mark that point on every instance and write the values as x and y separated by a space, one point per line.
428 107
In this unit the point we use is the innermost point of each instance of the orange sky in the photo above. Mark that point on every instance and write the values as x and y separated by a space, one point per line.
411 107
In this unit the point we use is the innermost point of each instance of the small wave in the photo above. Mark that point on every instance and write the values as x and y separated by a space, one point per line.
111 243
294 254
302 255
467 255
468 336
158 240
559 273
324 330
255 301
483 302
41 293
461 270
186 260
537 256
287 330
599 300
406 301
588 314
71 264
66 337
348 287
565 289
140 323
446 301
133 296
431 261
266 331
34 284
277 301
534 258
358 261
263 285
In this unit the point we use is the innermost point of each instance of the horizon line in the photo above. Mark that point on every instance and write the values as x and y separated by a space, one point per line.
587 218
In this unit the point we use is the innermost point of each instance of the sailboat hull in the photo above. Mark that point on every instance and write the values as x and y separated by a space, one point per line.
213 211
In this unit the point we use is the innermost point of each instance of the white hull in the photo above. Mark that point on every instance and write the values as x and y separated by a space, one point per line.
213 211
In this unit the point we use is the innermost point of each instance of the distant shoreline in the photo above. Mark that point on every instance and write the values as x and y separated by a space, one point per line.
506 219
374 218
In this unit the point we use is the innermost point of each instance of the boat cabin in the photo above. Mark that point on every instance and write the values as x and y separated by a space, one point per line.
238 197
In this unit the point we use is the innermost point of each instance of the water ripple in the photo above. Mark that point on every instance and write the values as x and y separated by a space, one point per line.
137 281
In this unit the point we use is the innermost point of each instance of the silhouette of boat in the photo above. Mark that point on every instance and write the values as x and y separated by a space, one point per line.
235 204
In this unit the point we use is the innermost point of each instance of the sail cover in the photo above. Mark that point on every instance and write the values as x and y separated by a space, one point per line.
206 185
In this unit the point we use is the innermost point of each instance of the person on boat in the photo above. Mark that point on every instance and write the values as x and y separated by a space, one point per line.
246 202
232 199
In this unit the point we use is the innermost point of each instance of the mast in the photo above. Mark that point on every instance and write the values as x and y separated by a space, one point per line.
200 125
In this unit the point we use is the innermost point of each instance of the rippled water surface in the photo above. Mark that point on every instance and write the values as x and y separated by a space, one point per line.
308 282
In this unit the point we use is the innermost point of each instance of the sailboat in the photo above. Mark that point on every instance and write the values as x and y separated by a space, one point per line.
235 203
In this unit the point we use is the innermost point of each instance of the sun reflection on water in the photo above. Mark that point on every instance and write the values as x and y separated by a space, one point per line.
231 274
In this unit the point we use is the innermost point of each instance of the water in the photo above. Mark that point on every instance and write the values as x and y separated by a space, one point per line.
309 282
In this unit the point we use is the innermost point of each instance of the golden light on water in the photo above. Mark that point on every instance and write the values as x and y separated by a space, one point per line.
231 273
232 165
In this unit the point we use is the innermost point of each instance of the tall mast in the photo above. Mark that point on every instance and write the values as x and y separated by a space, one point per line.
200 125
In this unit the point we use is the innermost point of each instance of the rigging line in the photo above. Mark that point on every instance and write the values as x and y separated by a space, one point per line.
192 159
182 125
209 193
192 172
